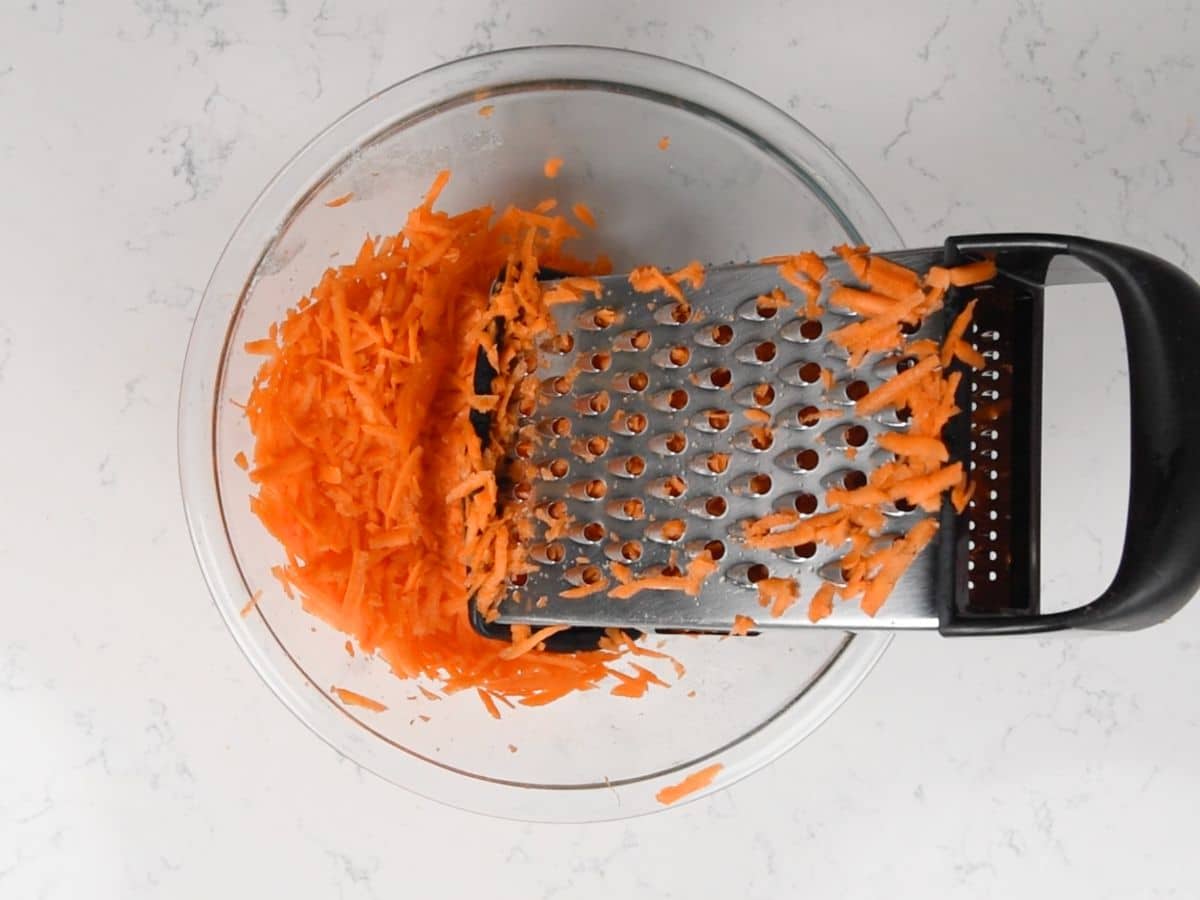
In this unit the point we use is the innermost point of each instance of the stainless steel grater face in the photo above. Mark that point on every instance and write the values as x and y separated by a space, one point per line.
649 439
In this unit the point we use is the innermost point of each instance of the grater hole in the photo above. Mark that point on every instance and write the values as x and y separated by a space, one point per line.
765 310
560 386
765 351
598 403
909 328
761 438
557 509
681 314
669 488
676 443
720 378
600 362
593 532
764 395
632 550
518 579
760 484
805 504
667 532
811 330
853 480
527 406
631 382
805 551
856 390
597 445
757 572
560 426
522 491
856 435
808 417
717 463
604 317
584 575
807 459
721 335
523 449
632 341
636 423
716 549
903 365
635 466
634 508
560 343
679 356
903 505
809 373
548 554
716 507
718 419
557 468
677 399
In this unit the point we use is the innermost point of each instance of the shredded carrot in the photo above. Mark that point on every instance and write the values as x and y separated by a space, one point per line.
742 625
778 594
957 329
961 494
821 605
973 273
251 603
694 782
239 460
969 355
584 590
486 110
340 201
552 167
352 698
914 445
584 214
488 703
349 648
664 142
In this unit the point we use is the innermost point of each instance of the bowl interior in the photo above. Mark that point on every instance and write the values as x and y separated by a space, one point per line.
718 192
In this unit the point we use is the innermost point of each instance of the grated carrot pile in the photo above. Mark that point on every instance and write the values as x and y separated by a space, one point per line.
366 465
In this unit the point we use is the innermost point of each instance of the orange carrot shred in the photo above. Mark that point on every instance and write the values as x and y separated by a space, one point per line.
664 142
552 167
584 214
340 201
742 625
239 460
352 698
486 110
694 782
489 703
251 603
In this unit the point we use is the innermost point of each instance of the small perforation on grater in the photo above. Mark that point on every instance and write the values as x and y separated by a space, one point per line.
714 418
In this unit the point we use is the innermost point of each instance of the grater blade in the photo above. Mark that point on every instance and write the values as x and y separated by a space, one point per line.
640 410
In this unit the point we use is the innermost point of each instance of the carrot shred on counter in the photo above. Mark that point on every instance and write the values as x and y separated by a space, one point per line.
486 110
552 166
340 201
694 782
239 460
353 698
349 648
664 142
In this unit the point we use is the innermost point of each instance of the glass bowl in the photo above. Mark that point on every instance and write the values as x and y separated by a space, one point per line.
739 180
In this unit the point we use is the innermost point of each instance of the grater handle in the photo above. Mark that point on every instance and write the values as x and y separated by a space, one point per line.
1159 569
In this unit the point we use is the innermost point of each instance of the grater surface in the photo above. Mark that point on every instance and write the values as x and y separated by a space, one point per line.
634 406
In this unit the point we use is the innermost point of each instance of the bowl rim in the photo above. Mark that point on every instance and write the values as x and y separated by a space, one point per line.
233 276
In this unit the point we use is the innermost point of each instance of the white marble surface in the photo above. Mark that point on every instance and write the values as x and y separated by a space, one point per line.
141 757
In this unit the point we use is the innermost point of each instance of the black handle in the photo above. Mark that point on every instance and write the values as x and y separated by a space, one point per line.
1159 569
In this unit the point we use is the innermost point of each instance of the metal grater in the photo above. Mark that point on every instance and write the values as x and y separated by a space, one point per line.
641 405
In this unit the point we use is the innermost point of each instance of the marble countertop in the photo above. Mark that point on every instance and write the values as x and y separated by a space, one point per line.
142 757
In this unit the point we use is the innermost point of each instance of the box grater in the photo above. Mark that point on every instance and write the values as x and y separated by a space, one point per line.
642 404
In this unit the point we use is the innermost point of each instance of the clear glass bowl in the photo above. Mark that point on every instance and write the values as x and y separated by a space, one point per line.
739 180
